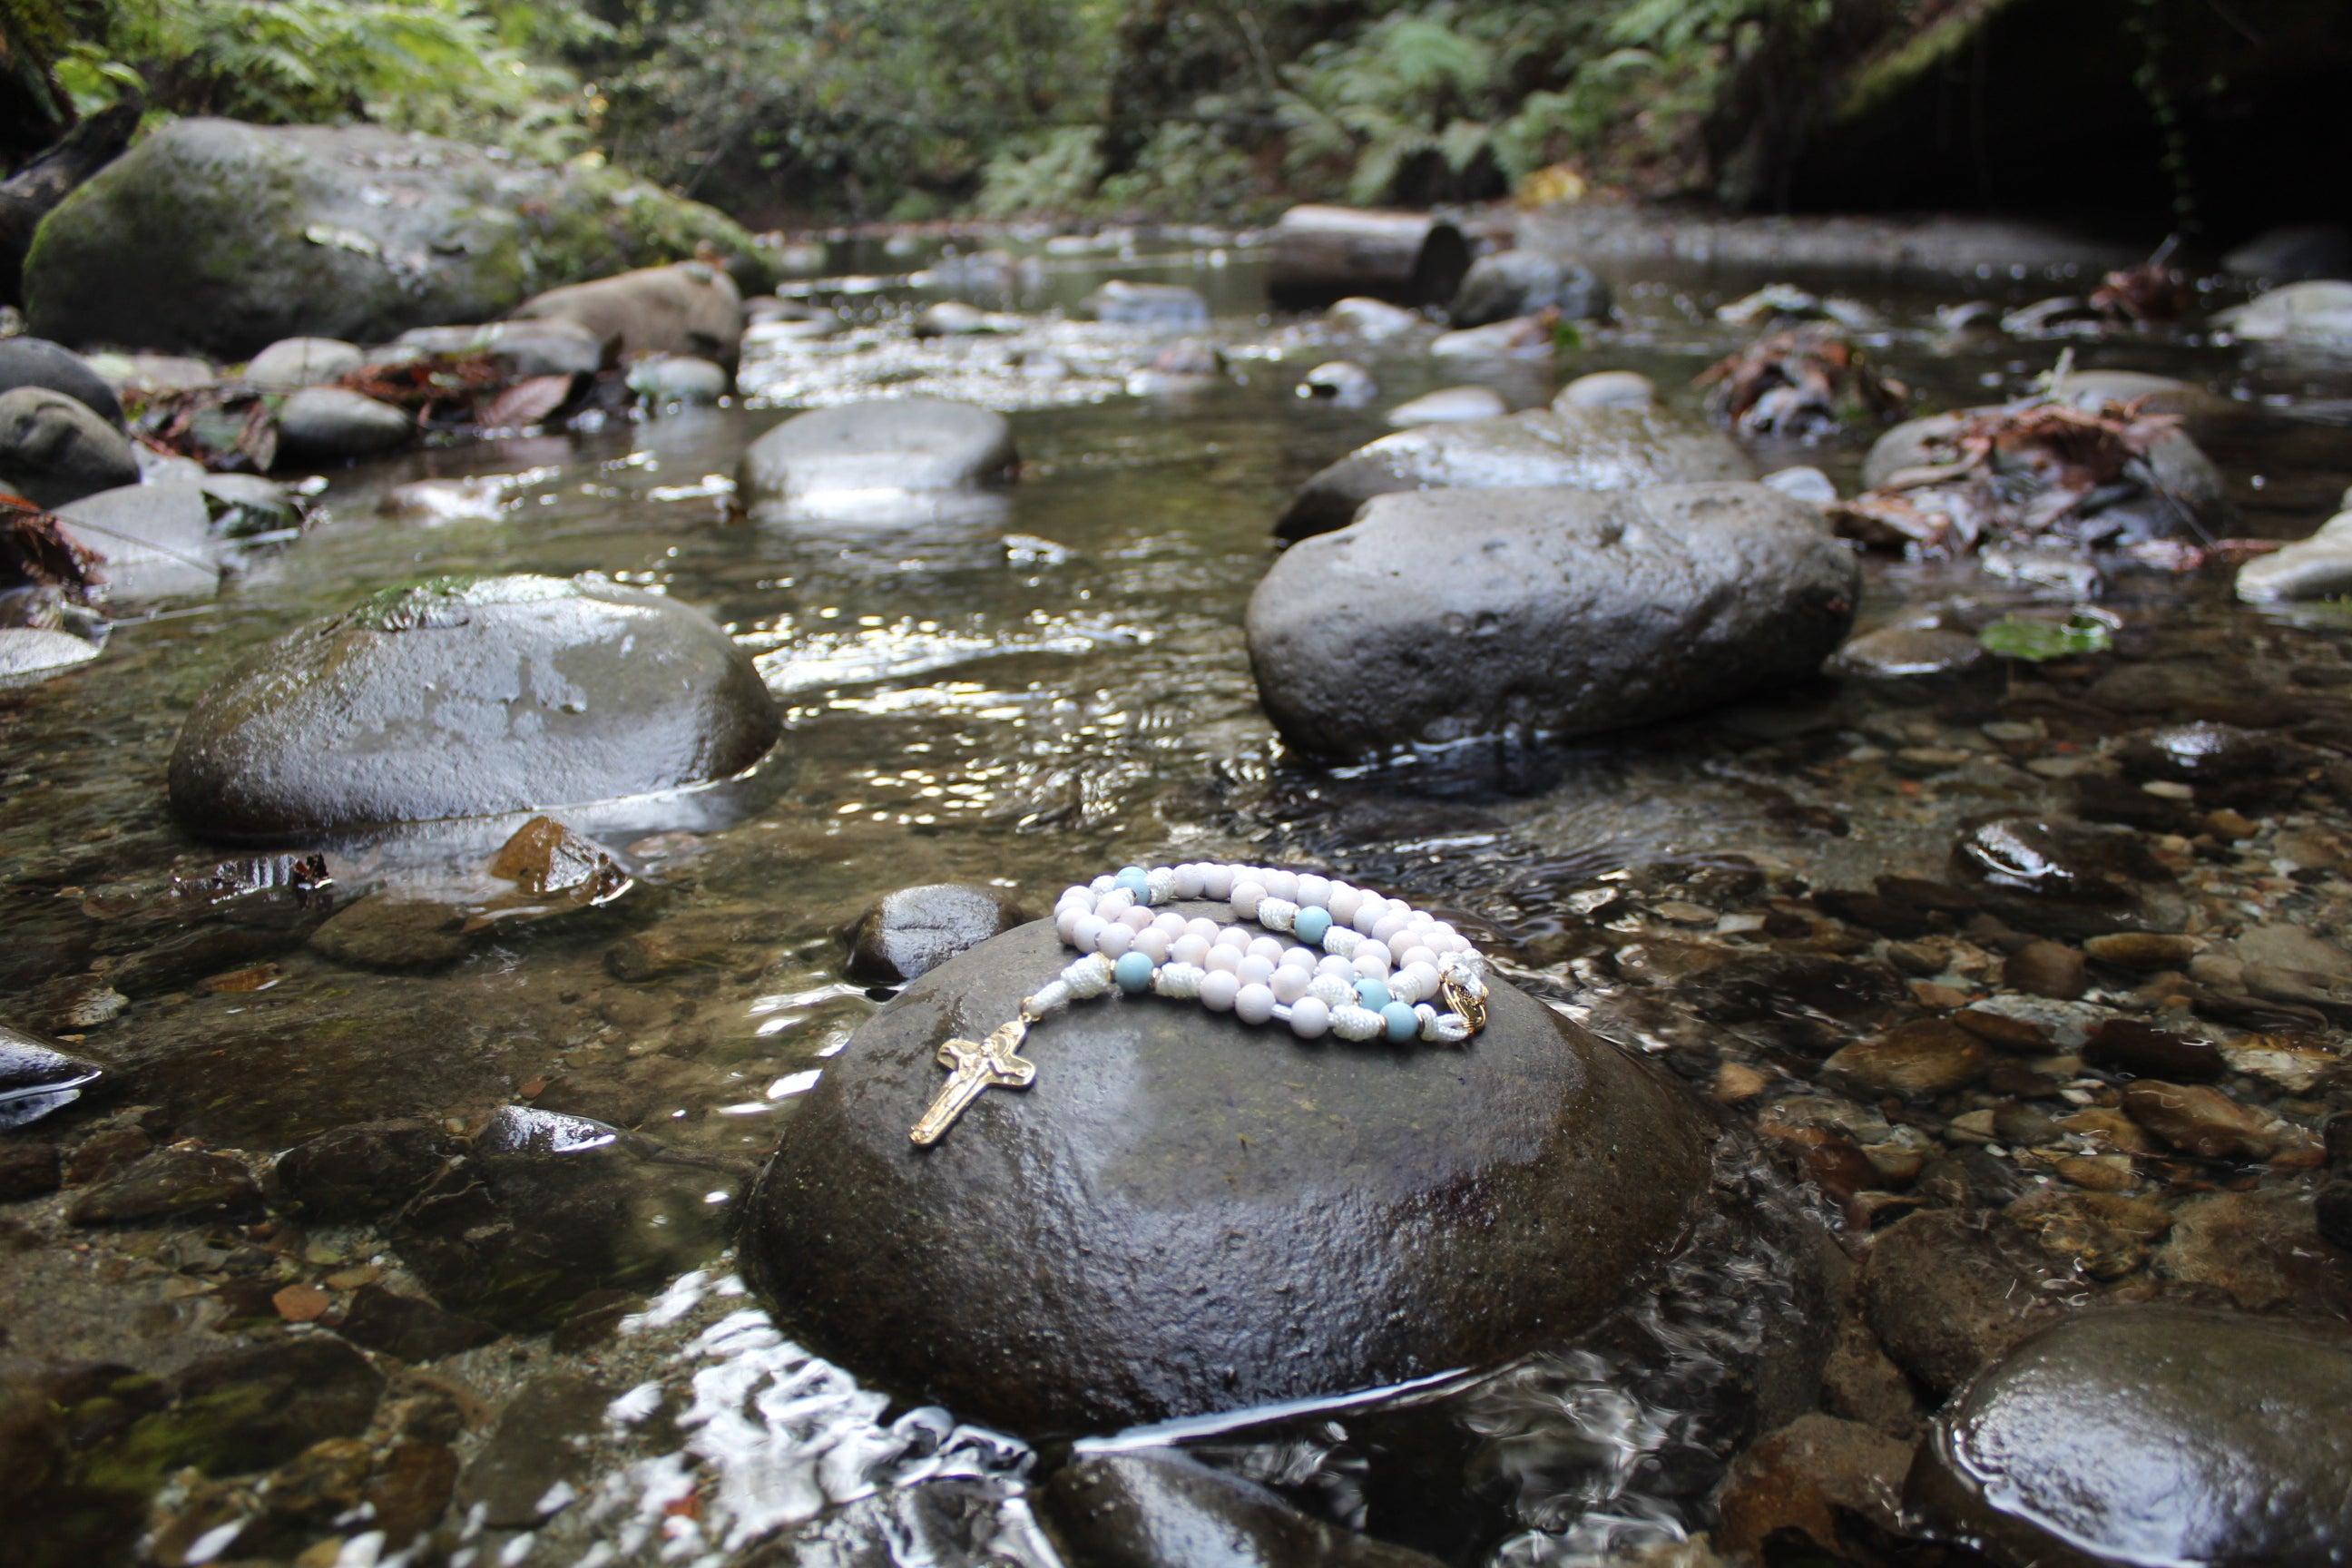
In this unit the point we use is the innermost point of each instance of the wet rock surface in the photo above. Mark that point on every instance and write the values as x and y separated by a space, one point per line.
2150 1435
1233 1246
884 458
1580 448
39 363
689 309
916 929
1522 282
470 698
328 422
1451 614
55 449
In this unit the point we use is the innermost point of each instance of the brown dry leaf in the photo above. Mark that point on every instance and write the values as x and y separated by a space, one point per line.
301 1303
33 549
259 977
526 402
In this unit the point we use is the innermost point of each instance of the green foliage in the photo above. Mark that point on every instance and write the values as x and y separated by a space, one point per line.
458 67
1191 168
1045 172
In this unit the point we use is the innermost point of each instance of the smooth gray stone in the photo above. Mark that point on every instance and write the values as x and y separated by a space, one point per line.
1341 382
1164 1510
467 697
328 422
2319 567
56 449
883 458
2318 313
1608 389
1447 615
1373 321
913 930
2150 1435
222 238
291 364
675 378
1520 283
1186 1214
1578 448
1909 654
690 307
2066 879
1449 405
153 541
37 361
1123 303
31 652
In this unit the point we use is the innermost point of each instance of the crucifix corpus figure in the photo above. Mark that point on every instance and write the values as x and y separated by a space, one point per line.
972 1068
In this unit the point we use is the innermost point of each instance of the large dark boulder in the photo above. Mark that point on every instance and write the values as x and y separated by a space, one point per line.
223 238
1186 1214
467 697
2154 1435
1576 447
1453 614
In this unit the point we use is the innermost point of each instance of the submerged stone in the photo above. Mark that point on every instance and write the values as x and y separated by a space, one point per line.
1453 614
1187 1214
1168 305
1160 1509
1583 448
468 697
2150 1435
2068 879
35 1078
2319 567
26 651
1903 653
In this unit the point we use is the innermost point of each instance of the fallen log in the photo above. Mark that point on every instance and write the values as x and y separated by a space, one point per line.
1321 253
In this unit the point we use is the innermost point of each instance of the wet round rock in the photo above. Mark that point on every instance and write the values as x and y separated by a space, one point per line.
1187 1215
915 930
465 697
1901 654
878 457
35 1078
2151 1435
2066 879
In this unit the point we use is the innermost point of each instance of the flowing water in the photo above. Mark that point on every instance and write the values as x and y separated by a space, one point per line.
1019 700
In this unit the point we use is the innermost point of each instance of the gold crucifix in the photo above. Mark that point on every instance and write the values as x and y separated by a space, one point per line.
972 1068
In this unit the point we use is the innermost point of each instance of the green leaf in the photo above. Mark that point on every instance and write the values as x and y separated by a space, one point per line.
2017 637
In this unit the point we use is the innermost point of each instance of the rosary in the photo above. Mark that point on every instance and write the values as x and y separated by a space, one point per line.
1362 967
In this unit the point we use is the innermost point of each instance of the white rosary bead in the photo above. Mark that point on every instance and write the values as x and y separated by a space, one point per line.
1246 897
1424 977
1313 890
1153 942
1193 950
1377 951
1234 937
1112 902
1182 981
1218 989
1187 883
1116 939
1254 969
1283 885
1217 882
1369 913
1223 959
1089 976
1370 967
1137 917
1276 914
1253 1005
1391 924
1082 897
1289 984
1423 953
1352 1022
1310 1018
1205 928
1332 963
1343 901
1299 958
1265 947
1085 931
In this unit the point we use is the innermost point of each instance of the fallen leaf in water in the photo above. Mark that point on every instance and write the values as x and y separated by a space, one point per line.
526 402
259 977
301 1303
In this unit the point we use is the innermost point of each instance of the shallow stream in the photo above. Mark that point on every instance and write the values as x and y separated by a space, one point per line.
1021 701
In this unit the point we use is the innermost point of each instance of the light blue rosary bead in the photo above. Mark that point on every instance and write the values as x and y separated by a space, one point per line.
1133 878
1373 994
1403 1021
1311 924
1133 972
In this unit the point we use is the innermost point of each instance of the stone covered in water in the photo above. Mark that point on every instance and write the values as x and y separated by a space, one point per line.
1577 447
36 653
152 541
889 459
2068 879
467 697
2154 1435
1153 1509
35 1078
1186 1214
1449 405
1449 614
1167 305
